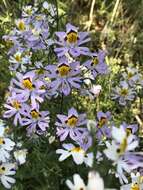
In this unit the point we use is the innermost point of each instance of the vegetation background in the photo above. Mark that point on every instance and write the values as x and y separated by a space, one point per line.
116 26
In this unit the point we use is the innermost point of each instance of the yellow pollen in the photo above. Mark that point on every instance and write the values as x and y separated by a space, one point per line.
63 70
18 57
135 186
2 141
21 25
95 61
16 104
124 92
122 147
2 169
34 114
102 122
77 149
72 37
27 83
72 121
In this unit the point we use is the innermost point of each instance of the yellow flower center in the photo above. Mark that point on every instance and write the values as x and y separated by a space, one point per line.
78 149
27 83
2 141
128 131
18 57
21 25
16 104
95 61
122 147
72 37
124 91
63 70
29 11
2 169
130 75
34 114
72 121
135 186
102 122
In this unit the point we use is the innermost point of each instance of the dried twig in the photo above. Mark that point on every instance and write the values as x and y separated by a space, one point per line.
115 10
91 14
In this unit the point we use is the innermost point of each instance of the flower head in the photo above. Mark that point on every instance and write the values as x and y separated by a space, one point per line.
78 154
97 63
123 93
35 120
70 125
94 182
64 76
103 129
14 106
120 151
71 41
6 170
6 145
28 87
20 156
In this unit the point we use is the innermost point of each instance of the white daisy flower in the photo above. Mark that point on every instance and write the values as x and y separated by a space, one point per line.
78 183
20 156
122 144
78 154
124 141
94 182
6 145
6 170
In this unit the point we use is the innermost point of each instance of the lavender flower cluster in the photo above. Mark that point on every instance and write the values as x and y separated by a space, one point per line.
28 89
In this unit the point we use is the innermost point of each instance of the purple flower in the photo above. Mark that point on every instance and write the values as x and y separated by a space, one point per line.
37 121
134 160
102 125
71 41
28 87
123 93
97 63
64 76
70 125
85 140
19 61
31 32
131 128
131 76
14 108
